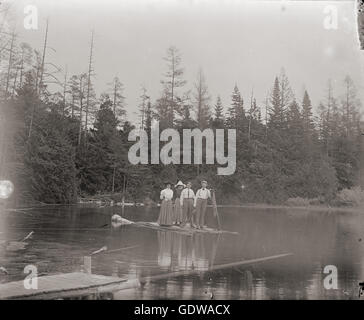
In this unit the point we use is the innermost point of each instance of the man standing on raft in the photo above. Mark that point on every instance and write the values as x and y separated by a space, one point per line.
201 203
187 202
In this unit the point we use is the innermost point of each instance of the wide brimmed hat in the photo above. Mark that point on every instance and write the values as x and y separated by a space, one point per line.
179 183
204 181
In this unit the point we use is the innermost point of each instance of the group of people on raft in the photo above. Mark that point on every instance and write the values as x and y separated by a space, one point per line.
183 206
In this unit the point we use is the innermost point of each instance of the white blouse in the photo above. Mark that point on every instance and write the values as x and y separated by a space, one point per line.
167 194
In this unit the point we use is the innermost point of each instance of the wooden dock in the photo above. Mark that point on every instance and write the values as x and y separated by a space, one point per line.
65 285
84 284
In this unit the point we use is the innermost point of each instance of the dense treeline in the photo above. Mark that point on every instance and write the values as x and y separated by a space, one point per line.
58 145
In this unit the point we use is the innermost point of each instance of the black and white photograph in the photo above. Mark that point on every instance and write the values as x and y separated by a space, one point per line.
181 150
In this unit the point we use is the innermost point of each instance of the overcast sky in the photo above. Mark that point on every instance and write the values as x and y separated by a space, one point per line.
243 42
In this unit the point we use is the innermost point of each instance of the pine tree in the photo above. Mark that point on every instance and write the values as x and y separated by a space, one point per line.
294 123
308 125
236 113
148 118
287 96
201 97
276 112
144 98
172 82
219 109
118 99
350 109
218 119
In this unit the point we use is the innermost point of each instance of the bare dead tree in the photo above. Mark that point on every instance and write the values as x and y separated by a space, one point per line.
173 79
81 97
251 111
14 83
201 100
64 91
39 84
142 107
328 114
10 63
266 117
90 70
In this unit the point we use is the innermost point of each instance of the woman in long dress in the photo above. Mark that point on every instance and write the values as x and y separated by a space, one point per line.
177 209
166 211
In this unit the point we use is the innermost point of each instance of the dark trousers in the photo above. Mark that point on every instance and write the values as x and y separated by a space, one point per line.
188 211
201 205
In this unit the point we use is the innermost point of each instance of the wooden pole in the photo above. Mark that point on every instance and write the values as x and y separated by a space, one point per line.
123 201
113 181
216 213
10 64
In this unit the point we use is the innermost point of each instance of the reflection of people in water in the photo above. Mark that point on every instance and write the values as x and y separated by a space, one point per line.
165 242
185 252
183 248
166 211
199 255
177 210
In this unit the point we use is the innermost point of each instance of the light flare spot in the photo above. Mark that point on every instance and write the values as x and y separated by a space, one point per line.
6 189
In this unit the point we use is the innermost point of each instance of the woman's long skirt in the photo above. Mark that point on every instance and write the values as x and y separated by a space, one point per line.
166 213
178 212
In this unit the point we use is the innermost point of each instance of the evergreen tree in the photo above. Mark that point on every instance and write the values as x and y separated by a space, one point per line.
172 82
116 89
219 119
201 102
236 113
276 113
308 124
219 109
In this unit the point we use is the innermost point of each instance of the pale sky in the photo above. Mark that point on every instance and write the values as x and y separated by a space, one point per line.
243 42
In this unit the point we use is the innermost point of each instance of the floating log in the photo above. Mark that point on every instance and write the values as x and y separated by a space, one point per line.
65 285
214 268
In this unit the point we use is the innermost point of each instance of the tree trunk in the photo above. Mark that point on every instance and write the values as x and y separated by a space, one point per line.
89 83
113 181
43 59
80 127
64 92
10 64
123 197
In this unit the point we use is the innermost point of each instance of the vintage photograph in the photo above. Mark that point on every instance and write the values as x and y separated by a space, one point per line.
181 150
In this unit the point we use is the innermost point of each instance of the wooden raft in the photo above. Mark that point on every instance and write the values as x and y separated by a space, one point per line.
184 230
64 285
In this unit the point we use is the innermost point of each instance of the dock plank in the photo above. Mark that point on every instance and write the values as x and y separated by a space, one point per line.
63 285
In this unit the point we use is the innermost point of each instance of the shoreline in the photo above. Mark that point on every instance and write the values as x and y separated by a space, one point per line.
105 204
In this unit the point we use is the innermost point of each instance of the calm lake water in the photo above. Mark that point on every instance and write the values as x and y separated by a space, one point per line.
64 235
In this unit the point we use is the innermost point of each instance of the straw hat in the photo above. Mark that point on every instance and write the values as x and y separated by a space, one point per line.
180 183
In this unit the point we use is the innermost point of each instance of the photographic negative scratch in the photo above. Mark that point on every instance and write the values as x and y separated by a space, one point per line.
360 21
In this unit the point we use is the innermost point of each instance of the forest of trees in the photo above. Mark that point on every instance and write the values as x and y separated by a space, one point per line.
59 144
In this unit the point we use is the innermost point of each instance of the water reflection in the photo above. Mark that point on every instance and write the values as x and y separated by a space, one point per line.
64 235
186 252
